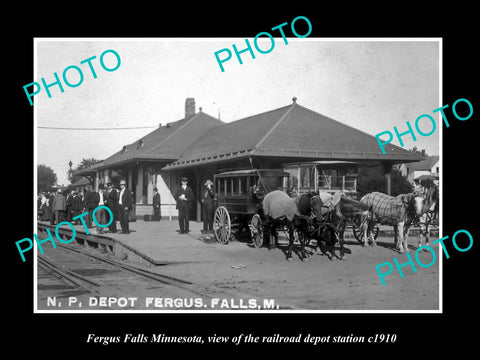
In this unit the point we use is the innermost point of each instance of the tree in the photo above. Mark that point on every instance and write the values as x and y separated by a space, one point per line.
373 179
400 184
85 163
46 178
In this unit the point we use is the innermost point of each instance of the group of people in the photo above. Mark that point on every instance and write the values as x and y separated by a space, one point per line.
66 206
184 197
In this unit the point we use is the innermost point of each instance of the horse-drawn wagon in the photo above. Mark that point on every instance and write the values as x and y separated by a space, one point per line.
239 196
256 200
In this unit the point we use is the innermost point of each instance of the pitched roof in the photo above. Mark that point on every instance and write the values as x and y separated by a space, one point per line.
164 143
80 182
289 131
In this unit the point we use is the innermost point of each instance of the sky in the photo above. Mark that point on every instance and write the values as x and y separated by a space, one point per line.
372 85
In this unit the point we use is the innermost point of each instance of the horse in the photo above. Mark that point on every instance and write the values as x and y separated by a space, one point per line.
429 213
295 214
398 211
350 209
338 209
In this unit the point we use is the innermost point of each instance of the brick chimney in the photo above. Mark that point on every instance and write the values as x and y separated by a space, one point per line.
189 107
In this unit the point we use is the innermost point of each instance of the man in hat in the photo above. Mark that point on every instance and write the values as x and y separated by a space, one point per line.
112 203
207 206
156 205
76 207
69 205
98 198
88 206
58 206
124 206
184 197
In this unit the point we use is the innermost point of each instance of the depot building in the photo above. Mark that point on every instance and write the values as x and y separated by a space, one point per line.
318 152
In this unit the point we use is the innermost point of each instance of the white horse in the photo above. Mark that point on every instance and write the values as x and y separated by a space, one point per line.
430 213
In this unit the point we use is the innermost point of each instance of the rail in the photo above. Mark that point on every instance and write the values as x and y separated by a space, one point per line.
117 248
112 244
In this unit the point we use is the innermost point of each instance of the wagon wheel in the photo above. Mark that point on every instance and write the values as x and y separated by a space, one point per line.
358 233
222 227
256 230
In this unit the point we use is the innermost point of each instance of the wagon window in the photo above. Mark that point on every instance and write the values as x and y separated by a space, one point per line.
235 190
253 183
242 183
221 187
228 187
293 179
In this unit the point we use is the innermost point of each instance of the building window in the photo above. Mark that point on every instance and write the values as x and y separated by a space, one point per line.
124 149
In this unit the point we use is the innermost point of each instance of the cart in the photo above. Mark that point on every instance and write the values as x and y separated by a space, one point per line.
239 196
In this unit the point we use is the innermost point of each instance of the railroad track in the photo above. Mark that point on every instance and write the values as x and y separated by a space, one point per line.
90 275
98 275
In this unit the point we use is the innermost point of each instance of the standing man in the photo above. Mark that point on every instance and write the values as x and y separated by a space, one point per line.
124 206
98 198
69 205
184 198
87 203
58 206
207 206
76 207
156 205
52 213
112 204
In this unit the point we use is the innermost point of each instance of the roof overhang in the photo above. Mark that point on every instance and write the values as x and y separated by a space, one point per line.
368 158
116 164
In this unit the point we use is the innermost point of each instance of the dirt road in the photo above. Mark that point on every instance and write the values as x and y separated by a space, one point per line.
319 283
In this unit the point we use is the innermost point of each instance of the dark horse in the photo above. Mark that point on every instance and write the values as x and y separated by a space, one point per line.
295 214
337 215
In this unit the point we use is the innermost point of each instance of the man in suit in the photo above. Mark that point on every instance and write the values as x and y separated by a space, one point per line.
124 206
101 215
87 206
156 205
69 205
59 204
184 197
76 207
112 204
50 197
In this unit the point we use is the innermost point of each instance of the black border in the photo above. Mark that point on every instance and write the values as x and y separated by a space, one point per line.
416 332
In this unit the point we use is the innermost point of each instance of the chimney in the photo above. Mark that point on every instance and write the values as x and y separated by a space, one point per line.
189 107
423 152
